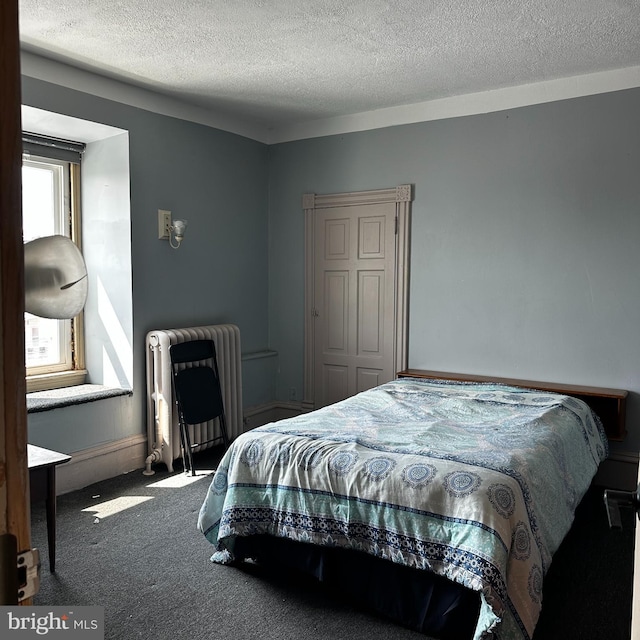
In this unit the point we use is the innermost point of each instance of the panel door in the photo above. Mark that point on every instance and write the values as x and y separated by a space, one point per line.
353 300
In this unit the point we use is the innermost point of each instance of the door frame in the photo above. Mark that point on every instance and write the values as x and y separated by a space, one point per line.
401 196
14 475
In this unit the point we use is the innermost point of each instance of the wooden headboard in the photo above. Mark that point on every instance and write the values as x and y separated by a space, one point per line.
609 404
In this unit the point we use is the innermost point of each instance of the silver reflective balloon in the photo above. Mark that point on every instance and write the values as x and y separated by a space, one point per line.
55 278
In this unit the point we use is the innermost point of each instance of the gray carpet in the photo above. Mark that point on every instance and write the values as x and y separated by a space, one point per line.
130 544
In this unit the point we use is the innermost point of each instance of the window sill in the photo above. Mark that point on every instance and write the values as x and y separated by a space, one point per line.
57 380
68 396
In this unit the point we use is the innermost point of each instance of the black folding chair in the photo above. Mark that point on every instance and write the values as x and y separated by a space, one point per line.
197 392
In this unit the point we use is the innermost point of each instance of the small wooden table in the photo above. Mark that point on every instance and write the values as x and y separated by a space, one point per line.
42 479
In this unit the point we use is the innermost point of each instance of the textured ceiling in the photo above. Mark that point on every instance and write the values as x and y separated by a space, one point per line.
278 62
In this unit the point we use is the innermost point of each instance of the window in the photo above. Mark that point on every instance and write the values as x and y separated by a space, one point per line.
50 206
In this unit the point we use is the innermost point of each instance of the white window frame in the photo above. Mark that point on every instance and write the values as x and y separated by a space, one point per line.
70 370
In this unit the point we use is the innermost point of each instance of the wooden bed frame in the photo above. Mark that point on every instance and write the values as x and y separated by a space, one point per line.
608 404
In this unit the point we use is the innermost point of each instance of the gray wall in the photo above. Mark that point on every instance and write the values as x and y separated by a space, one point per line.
525 258
218 182
525 236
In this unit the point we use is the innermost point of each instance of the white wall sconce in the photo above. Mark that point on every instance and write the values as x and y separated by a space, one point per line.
171 230
176 232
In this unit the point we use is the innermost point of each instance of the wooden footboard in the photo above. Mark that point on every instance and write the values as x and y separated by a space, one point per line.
609 404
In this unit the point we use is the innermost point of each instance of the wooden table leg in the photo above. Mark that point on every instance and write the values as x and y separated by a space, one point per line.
42 478
51 516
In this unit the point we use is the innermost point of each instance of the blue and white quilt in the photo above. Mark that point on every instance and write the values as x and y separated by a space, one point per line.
477 482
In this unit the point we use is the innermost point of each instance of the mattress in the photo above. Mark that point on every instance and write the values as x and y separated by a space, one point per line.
473 482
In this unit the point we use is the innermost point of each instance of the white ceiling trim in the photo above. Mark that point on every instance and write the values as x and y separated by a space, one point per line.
41 68
465 105
35 66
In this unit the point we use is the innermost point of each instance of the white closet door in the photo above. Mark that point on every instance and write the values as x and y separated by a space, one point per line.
354 299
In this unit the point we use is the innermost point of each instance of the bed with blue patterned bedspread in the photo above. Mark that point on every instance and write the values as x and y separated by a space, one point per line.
477 482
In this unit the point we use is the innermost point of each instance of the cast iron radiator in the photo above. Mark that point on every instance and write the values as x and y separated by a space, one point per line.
163 432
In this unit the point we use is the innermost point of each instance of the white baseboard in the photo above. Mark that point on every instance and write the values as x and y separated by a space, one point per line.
129 454
101 462
270 412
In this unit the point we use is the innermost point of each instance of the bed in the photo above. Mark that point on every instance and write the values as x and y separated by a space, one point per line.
436 499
